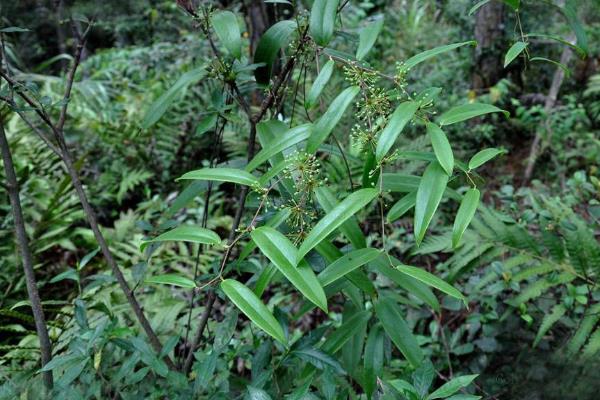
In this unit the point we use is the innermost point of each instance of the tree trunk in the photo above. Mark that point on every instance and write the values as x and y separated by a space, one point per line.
489 29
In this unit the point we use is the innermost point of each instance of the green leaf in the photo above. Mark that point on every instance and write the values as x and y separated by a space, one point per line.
284 256
346 264
344 333
256 393
467 111
478 6
426 55
367 37
397 121
430 192
431 280
332 116
582 53
513 52
12 29
336 217
318 85
441 147
162 104
402 183
549 319
319 359
322 20
449 388
285 141
402 206
274 39
232 175
186 233
228 31
253 308
172 279
465 214
373 358
556 63
350 228
514 4
397 329
484 156
570 13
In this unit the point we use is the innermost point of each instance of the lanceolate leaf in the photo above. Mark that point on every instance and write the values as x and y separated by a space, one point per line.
228 31
275 38
319 84
341 335
284 256
400 182
484 156
441 147
402 206
429 195
186 233
397 329
172 279
322 20
367 37
232 175
332 116
449 388
350 228
426 55
467 111
162 104
431 280
253 308
513 52
346 264
287 140
336 217
398 120
373 359
465 214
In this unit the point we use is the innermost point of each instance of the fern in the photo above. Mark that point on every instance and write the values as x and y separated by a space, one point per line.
549 319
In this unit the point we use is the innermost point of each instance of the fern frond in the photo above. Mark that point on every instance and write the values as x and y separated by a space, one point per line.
585 328
549 319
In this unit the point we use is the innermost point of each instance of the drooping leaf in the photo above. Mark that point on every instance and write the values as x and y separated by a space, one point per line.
477 6
430 192
396 328
346 264
513 52
373 359
274 39
465 214
367 37
228 31
284 256
285 141
253 308
449 388
484 156
223 174
336 217
402 206
185 233
356 323
162 104
431 280
172 279
322 20
332 116
397 121
318 85
441 147
556 63
560 40
426 55
467 111
569 10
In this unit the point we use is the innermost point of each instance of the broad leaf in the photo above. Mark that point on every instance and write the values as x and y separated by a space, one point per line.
185 233
318 85
274 39
284 256
468 111
465 214
367 37
336 217
397 121
232 175
484 156
430 192
441 147
253 308
449 388
162 104
513 52
172 279
426 55
332 116
322 20
228 31
285 141
346 264
431 280
402 206
396 328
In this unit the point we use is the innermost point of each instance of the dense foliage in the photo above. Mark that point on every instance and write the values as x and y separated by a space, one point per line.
327 199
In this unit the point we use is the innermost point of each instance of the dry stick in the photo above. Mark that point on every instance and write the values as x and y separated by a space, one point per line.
27 258
87 208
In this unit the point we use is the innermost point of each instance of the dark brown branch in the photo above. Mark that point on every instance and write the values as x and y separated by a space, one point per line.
27 258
